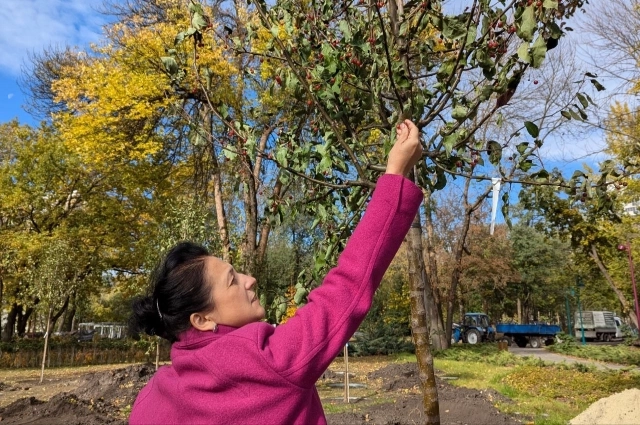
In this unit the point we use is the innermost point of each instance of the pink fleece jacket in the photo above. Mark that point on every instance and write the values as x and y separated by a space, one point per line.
258 374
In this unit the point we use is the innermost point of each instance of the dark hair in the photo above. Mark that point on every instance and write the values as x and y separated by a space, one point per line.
178 288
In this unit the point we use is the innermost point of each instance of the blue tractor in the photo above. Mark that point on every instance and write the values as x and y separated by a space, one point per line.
475 328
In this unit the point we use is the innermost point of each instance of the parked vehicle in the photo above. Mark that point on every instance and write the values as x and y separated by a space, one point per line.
598 325
533 334
475 328
619 331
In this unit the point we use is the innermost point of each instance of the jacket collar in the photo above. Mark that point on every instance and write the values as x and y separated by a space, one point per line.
193 338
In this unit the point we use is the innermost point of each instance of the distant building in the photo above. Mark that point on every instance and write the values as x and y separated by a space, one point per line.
104 329
632 208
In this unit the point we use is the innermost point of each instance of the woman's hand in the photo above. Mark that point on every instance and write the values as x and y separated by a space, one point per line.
406 151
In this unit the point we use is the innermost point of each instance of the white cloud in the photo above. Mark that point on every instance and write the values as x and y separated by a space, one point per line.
29 26
10 96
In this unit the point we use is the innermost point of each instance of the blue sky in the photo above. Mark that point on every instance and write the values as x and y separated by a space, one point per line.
30 26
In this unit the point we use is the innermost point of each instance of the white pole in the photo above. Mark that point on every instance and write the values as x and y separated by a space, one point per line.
495 181
346 373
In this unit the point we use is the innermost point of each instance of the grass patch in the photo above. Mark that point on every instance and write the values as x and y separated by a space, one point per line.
547 394
570 385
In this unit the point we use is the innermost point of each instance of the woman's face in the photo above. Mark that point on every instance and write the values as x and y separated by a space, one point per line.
234 298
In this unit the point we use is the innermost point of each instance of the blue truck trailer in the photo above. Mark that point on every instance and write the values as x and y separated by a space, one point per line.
533 334
477 327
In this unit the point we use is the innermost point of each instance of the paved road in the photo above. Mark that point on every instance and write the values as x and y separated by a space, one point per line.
559 358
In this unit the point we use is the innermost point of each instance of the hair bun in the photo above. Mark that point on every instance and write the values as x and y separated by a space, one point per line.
145 318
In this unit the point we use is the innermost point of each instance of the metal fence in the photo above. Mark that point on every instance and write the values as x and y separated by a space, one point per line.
81 356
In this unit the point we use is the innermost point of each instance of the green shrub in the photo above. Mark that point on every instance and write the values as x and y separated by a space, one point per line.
622 354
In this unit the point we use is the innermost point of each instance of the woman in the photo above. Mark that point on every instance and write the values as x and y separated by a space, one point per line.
227 365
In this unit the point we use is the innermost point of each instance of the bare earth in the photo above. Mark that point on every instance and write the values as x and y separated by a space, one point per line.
387 394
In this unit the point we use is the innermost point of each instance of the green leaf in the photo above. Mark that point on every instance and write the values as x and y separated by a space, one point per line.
541 176
538 52
550 4
441 180
231 154
577 174
454 27
526 24
224 111
522 147
523 52
198 21
281 156
195 8
495 152
449 141
525 165
554 30
471 34
597 85
446 69
583 100
299 295
532 129
575 115
346 30
170 65
459 113
179 37
565 114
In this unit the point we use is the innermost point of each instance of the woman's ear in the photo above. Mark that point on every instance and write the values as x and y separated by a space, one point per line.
201 323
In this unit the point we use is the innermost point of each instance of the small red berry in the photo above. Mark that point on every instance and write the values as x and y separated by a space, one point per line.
535 81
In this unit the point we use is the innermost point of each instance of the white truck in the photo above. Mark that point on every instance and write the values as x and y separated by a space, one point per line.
597 325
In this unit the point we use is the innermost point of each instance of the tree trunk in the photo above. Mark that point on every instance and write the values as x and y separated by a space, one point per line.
266 229
460 250
221 217
251 220
67 323
46 343
434 307
1 293
62 310
23 319
519 308
419 324
67 319
621 298
10 325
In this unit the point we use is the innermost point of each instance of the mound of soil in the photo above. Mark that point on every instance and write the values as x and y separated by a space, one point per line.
457 405
618 409
102 398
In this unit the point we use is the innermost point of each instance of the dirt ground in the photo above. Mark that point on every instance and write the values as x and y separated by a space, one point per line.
384 394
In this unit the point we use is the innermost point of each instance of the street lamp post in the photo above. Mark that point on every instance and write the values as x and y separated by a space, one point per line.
627 248
568 307
579 285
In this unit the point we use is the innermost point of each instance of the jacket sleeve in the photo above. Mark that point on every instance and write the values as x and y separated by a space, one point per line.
301 349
